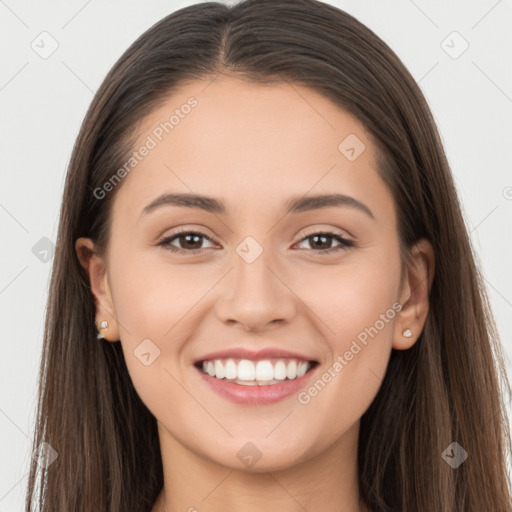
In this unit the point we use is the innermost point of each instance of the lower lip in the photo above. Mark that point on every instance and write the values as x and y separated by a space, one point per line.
256 395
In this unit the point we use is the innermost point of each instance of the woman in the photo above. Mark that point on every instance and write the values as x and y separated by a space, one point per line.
264 294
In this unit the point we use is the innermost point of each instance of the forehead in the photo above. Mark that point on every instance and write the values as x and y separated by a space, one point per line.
252 143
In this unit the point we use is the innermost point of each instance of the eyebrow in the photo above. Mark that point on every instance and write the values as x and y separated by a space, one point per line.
294 205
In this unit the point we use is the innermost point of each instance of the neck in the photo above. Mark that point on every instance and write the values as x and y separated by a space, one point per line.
325 482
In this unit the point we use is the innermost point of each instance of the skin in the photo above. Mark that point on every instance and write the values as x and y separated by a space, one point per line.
254 147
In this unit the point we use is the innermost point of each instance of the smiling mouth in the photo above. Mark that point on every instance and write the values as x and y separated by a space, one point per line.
266 372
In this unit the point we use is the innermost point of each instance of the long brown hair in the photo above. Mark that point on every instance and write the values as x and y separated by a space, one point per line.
448 387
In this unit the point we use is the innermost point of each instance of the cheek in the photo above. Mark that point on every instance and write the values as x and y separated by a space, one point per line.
151 295
362 308
357 309
155 306
152 315
354 296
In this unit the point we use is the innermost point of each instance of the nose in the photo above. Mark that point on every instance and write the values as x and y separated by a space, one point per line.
254 295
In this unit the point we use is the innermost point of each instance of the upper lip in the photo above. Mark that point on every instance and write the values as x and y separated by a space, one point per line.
246 353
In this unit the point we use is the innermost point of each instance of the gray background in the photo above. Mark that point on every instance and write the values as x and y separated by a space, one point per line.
43 101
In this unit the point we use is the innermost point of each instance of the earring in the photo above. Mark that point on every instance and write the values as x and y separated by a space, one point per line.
407 333
103 325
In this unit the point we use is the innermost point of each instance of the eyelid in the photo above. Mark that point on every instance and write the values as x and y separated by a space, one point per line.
200 230
344 243
306 232
187 231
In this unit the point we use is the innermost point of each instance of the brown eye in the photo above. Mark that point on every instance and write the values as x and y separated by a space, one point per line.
189 241
322 242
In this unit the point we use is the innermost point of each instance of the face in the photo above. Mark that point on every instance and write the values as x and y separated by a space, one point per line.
320 281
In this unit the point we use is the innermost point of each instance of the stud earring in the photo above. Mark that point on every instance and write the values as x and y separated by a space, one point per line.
407 333
103 325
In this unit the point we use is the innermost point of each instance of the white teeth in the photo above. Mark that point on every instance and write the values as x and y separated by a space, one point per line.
291 370
256 382
220 372
280 370
264 371
231 369
301 369
260 373
246 370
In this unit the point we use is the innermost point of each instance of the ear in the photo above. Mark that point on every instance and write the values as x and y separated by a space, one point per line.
414 295
96 269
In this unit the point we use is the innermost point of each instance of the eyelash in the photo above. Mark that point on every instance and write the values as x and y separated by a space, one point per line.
344 243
